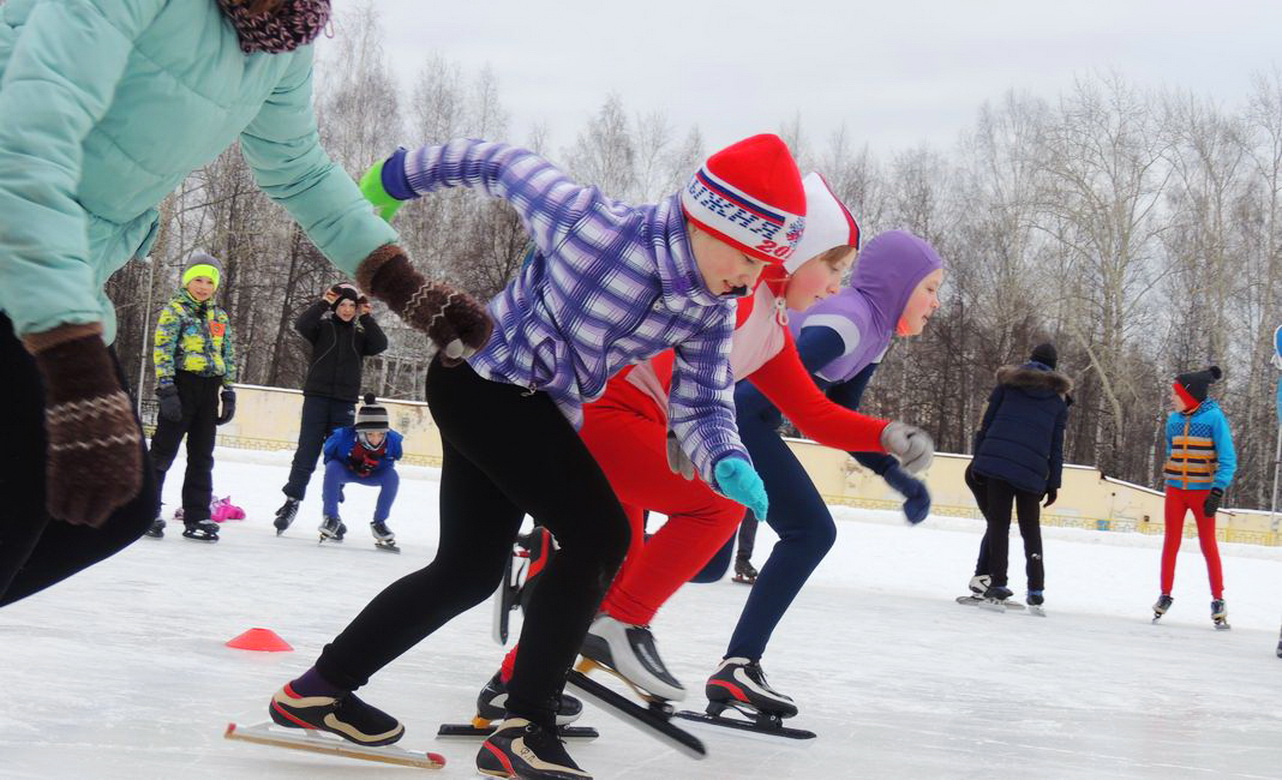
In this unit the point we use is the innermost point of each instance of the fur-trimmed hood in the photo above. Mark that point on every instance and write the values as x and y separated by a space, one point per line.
1030 377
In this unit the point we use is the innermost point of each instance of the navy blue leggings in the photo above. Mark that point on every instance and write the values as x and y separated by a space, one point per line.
806 532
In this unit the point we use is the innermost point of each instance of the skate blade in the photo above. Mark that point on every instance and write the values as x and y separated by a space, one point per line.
315 742
747 727
472 731
586 665
1037 609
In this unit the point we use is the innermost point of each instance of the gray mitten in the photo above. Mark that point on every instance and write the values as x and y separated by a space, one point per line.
911 445
678 460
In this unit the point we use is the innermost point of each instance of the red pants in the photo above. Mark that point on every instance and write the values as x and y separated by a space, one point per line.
1178 502
628 438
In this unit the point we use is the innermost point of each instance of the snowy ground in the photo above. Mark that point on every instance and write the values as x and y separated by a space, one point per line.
121 672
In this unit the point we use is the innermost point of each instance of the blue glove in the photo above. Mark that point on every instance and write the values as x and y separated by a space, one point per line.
916 496
739 482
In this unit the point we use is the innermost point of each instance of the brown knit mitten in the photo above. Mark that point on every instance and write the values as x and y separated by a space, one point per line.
94 457
456 323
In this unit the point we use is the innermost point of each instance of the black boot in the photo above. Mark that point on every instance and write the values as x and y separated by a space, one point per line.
526 750
285 515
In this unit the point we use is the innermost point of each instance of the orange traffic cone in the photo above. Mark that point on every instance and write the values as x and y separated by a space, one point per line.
261 639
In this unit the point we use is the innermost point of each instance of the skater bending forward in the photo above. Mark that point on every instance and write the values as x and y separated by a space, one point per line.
608 285
364 453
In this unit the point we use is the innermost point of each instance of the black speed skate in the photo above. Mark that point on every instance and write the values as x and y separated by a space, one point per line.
526 750
491 707
1163 603
344 715
1220 615
285 515
157 529
744 571
201 531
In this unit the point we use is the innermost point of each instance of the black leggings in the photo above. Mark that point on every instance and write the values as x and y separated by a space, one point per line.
995 497
35 551
508 453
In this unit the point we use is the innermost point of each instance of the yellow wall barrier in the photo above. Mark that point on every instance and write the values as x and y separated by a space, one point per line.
267 419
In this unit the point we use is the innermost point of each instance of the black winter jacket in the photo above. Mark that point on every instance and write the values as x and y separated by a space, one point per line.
1021 439
338 349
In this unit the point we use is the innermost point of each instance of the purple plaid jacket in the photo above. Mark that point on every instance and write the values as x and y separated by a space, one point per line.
608 285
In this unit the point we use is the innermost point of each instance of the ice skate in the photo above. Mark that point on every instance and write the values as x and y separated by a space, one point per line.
997 598
201 531
344 715
157 528
491 707
1163 603
331 529
1220 615
384 539
1036 603
285 515
526 750
744 571
631 653
741 684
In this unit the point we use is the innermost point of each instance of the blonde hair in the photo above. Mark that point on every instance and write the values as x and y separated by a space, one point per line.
835 255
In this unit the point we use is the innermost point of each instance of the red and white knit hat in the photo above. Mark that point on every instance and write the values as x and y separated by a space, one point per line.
750 196
828 223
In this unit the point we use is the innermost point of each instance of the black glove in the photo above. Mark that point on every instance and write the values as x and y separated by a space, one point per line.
1212 503
1050 496
229 406
171 406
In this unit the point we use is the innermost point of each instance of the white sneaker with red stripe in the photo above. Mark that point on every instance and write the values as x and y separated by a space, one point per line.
740 683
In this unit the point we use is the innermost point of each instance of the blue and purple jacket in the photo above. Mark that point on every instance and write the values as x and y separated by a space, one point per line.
608 285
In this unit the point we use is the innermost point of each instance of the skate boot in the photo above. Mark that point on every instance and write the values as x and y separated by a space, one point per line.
744 571
998 594
537 547
979 583
630 651
491 704
157 529
344 715
341 532
1035 601
1219 614
285 515
331 529
201 531
741 684
527 750
383 536
1163 603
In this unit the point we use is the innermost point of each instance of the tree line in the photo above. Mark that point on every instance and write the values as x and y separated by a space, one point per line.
1140 230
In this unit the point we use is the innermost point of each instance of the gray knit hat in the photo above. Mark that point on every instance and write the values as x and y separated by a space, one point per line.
202 264
371 417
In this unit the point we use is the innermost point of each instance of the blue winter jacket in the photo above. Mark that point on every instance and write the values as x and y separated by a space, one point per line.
342 440
1021 438
1199 449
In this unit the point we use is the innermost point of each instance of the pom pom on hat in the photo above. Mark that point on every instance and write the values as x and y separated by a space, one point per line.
828 223
750 196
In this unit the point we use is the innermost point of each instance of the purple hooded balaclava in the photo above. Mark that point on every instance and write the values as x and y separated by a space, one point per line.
866 312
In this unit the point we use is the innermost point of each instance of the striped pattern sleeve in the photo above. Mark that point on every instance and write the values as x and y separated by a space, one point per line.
701 400
547 201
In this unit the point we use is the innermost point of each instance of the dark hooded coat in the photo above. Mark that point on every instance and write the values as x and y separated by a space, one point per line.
1021 438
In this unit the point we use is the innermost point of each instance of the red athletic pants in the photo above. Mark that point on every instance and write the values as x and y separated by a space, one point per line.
1178 502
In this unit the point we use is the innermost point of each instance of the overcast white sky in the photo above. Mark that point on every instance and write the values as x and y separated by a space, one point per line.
895 72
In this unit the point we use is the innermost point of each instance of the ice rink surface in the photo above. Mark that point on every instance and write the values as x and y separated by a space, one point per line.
121 672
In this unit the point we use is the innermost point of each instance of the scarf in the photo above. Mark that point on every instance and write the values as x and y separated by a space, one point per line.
295 23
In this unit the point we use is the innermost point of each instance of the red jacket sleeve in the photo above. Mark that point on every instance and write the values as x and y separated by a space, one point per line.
785 381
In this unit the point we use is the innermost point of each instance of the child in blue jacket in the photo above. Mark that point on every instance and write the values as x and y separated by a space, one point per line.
364 453
1200 463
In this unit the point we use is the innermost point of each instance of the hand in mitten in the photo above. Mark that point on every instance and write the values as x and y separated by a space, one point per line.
1051 495
386 186
739 482
457 324
171 406
916 495
678 460
229 406
912 446
1212 503
94 455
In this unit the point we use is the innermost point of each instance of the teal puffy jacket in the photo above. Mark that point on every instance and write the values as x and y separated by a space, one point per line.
106 106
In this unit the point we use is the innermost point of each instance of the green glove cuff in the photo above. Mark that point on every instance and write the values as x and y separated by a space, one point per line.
372 188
